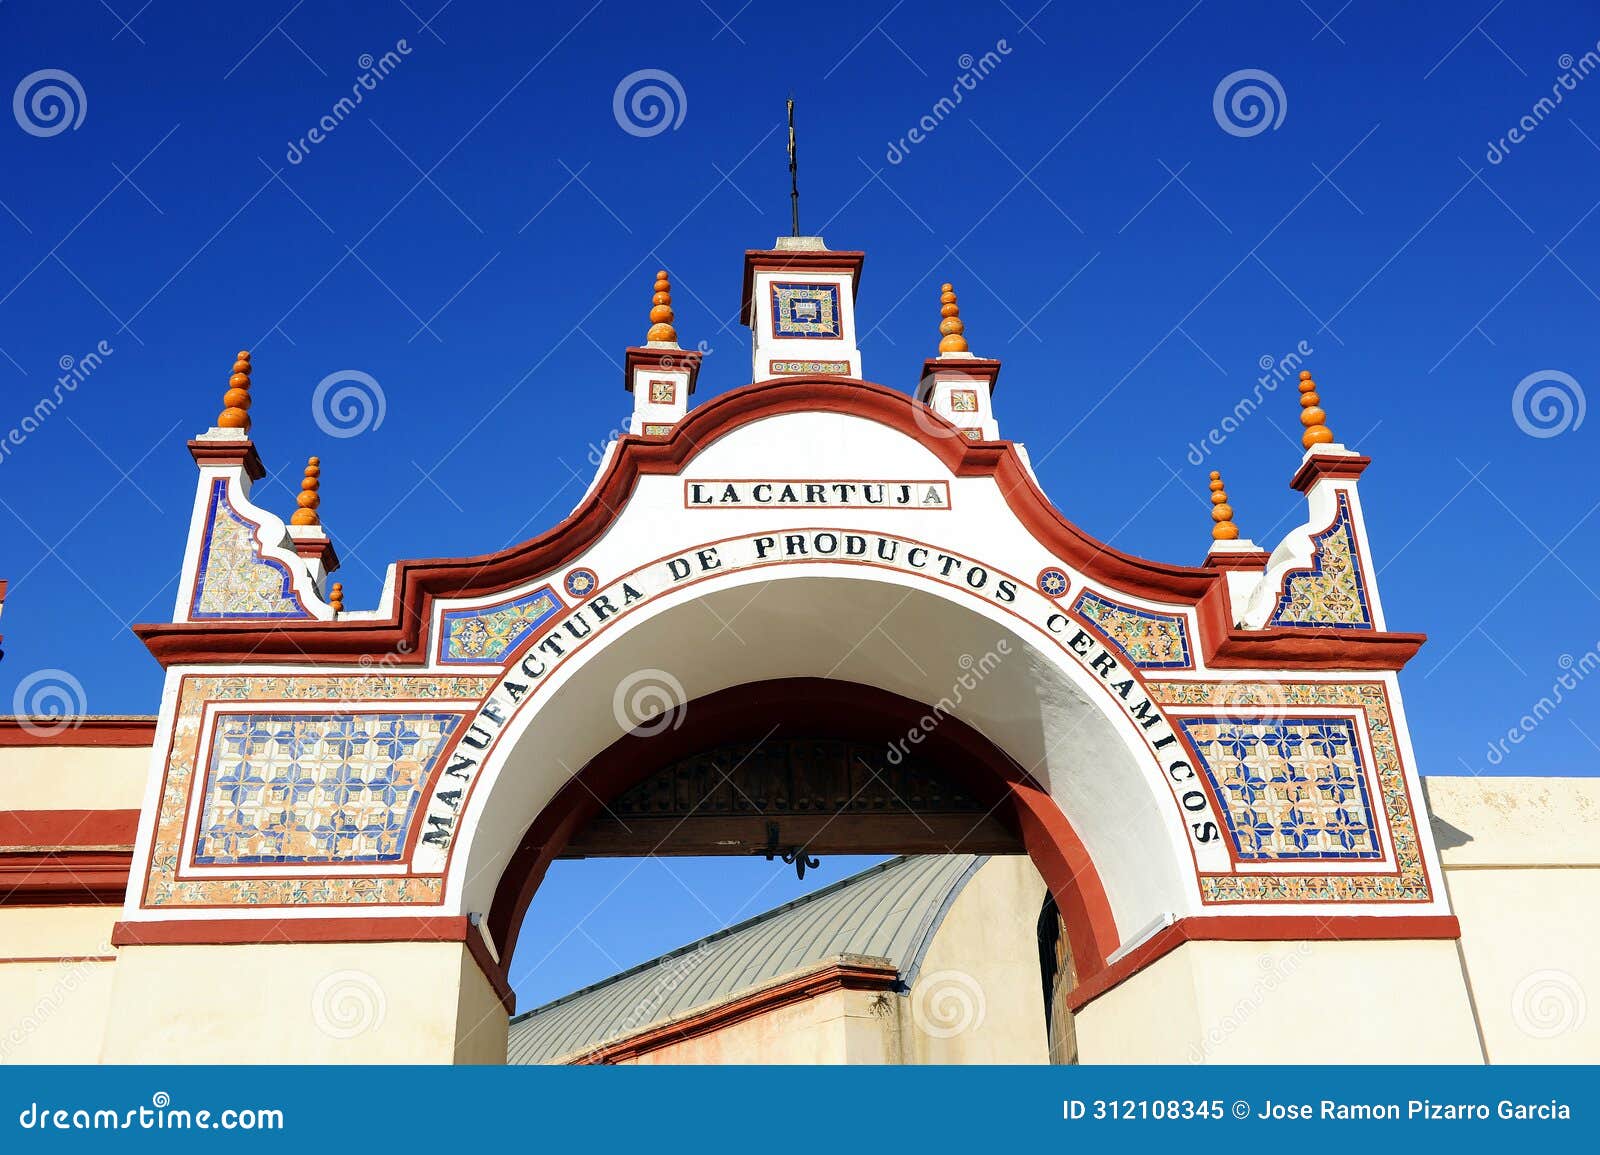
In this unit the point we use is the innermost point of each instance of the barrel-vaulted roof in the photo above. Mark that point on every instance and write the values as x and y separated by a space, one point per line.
890 911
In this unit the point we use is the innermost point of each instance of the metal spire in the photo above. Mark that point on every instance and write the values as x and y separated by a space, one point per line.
794 175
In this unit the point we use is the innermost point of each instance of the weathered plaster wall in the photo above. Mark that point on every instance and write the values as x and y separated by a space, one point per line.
1287 1002
836 1027
55 982
73 777
979 997
1522 863
387 1002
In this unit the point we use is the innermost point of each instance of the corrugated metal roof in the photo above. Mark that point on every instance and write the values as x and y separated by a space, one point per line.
889 911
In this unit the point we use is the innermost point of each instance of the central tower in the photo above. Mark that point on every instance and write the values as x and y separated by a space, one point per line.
800 303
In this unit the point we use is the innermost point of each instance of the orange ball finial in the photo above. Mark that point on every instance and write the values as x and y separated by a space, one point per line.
1222 528
1311 414
308 498
336 597
661 330
950 326
236 414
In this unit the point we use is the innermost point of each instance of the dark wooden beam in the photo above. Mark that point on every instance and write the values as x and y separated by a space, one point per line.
819 834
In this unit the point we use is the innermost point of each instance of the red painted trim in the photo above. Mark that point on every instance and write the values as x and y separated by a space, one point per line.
1322 465
1266 928
796 261
836 976
257 931
1255 561
61 958
982 369
105 730
63 878
492 970
253 931
1315 648
53 830
229 453
812 706
398 641
318 549
643 357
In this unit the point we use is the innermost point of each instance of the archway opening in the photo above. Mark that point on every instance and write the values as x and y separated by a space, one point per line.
795 773
1005 724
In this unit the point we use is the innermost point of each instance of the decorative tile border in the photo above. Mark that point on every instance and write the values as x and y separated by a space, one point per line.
1149 640
1332 591
484 633
234 579
297 789
781 368
1409 882
805 311
1290 788
163 888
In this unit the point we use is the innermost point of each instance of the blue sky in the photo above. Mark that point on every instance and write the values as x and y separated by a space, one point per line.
479 236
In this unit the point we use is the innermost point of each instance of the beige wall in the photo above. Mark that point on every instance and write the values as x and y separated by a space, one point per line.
1522 863
55 982
978 996
56 963
73 777
1248 1002
386 1002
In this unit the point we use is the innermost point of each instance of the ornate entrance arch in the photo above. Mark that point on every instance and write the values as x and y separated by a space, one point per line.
1193 755
751 713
